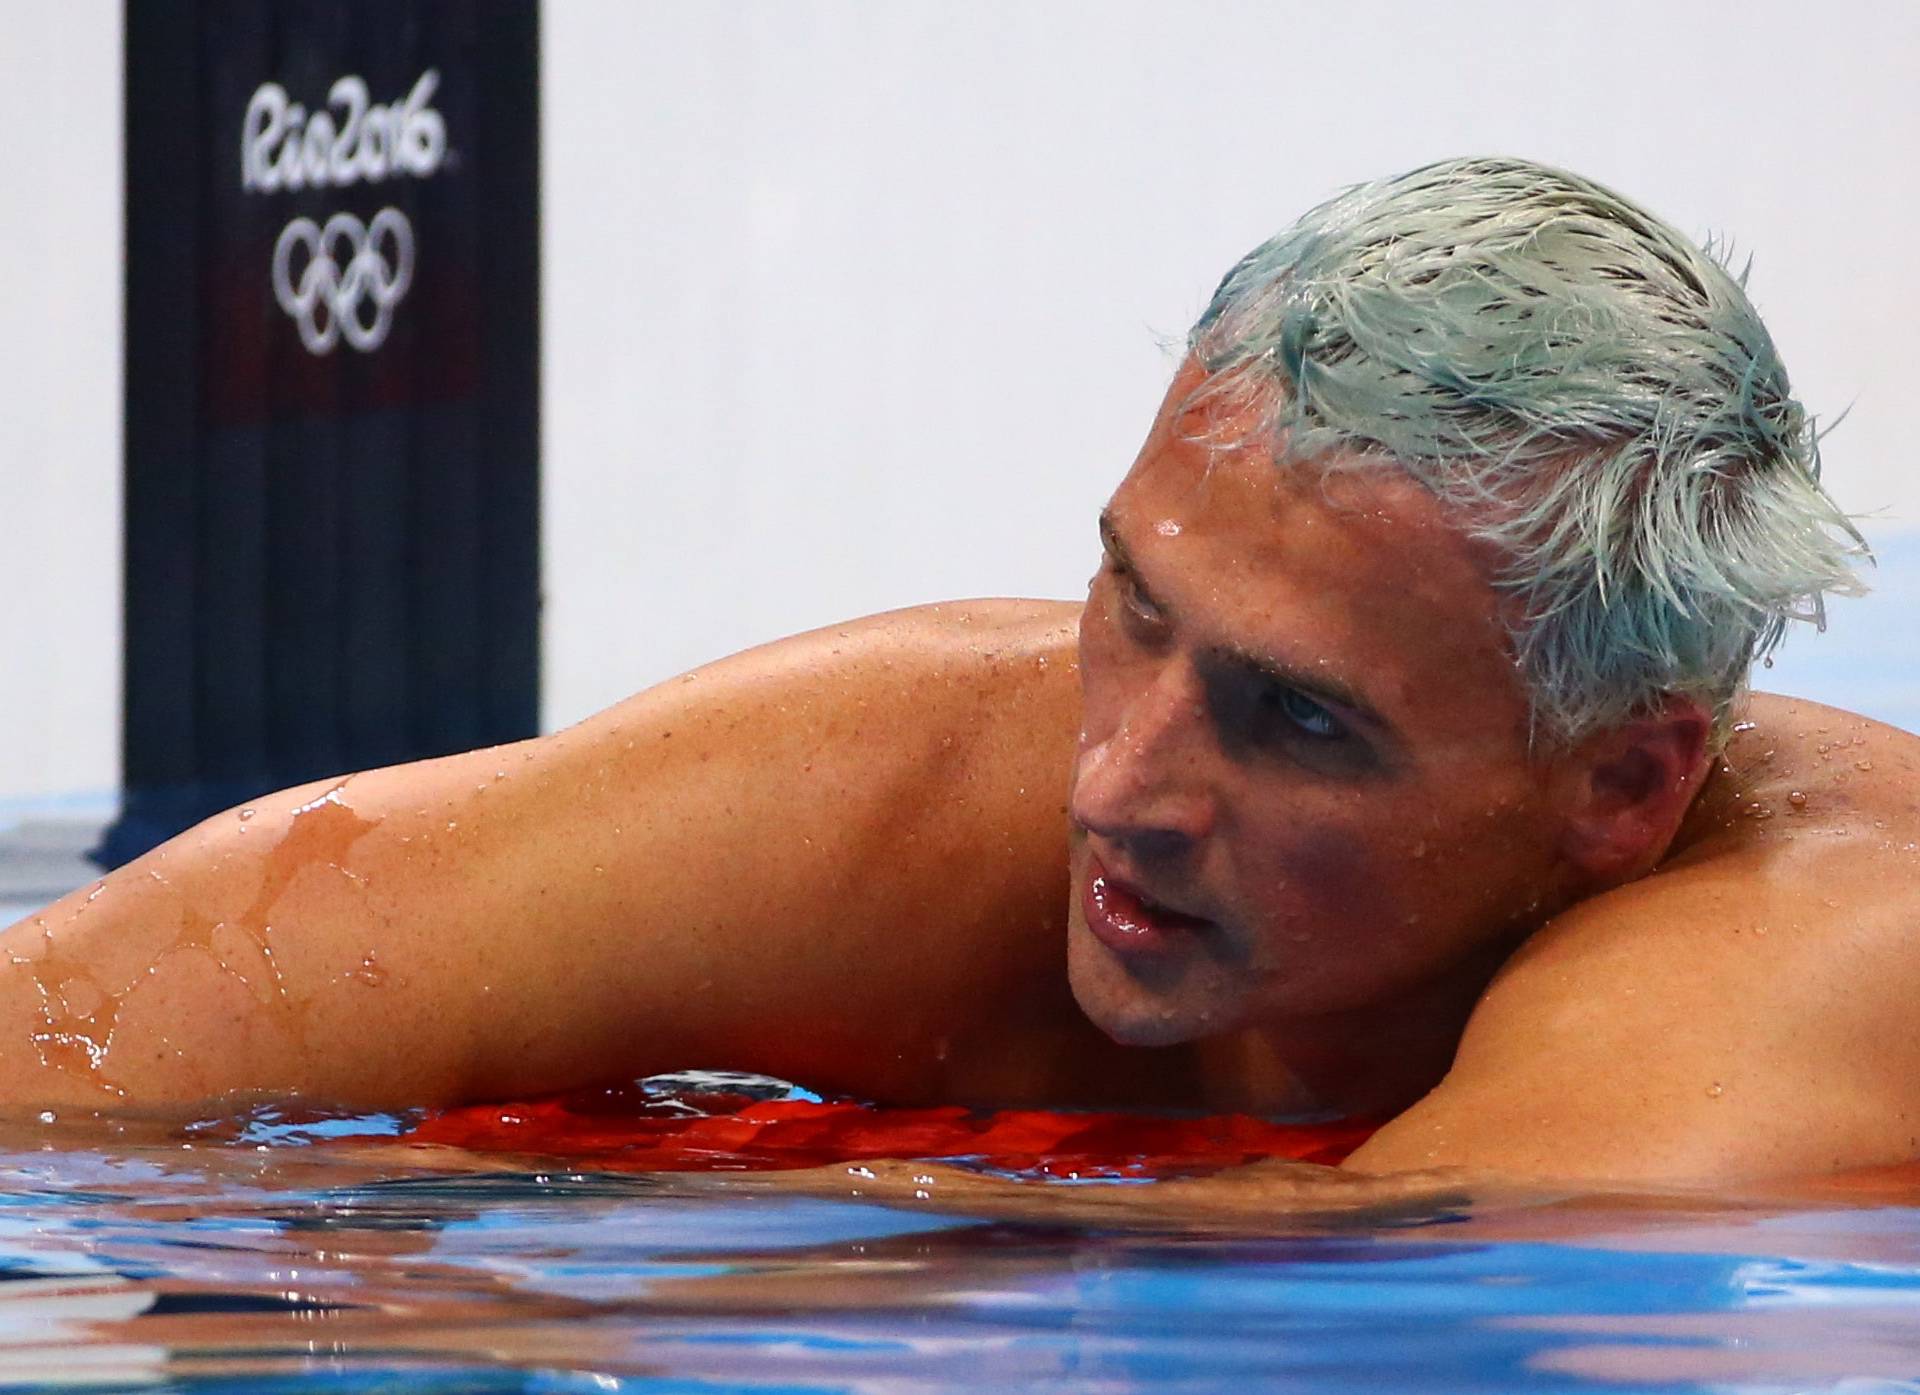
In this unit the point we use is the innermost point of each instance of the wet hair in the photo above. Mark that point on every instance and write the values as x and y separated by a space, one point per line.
1583 387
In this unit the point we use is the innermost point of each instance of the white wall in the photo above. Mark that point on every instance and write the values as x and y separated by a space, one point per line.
59 396
855 306
851 306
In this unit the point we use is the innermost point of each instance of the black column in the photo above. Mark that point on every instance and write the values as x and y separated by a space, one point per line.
332 359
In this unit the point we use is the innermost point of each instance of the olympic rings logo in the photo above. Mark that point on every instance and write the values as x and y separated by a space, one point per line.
342 279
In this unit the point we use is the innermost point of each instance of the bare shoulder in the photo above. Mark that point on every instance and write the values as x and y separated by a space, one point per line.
945 719
1848 771
1746 1009
961 658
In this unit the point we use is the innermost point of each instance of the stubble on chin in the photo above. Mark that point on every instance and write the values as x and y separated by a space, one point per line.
1136 1007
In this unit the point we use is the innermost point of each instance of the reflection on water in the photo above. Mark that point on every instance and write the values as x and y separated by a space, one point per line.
269 1257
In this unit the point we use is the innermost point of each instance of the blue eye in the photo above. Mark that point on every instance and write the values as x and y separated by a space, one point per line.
1259 714
1307 714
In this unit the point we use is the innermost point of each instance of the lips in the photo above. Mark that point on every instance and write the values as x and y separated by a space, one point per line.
1127 921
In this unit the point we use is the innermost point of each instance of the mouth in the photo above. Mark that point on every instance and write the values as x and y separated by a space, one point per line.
1129 921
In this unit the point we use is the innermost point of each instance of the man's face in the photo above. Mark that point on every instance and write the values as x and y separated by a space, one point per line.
1303 792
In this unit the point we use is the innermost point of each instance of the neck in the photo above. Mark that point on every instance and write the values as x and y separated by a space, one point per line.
1371 1061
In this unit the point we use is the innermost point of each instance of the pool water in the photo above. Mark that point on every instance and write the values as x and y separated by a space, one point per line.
267 1254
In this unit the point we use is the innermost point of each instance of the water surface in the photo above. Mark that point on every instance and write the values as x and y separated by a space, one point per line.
265 1256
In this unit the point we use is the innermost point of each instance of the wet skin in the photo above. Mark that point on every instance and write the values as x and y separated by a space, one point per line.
1284 738
1301 724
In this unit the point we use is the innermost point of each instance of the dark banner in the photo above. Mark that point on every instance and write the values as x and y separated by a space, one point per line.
332 392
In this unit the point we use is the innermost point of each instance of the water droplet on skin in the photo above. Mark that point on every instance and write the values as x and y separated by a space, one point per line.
47 1116
1715 1090
1863 765
246 814
1797 799
1757 810
1744 726
1759 929
452 824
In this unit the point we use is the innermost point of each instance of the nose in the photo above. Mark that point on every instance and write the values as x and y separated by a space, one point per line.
1141 783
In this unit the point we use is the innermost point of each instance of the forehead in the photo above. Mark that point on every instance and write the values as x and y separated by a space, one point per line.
1358 572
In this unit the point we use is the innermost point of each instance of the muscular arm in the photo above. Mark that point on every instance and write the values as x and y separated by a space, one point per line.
1746 1017
766 865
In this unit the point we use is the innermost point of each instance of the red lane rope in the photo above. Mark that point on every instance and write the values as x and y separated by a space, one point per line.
615 1130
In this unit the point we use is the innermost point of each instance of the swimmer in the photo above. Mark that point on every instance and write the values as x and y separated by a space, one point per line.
1399 764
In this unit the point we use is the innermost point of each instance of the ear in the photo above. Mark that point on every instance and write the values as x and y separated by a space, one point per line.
1629 786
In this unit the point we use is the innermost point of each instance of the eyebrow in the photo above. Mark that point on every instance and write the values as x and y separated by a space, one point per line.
1117 549
1315 685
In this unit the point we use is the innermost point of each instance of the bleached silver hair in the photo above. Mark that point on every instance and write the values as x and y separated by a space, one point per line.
1593 395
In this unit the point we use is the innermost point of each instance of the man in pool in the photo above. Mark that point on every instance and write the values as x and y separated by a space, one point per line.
1398 764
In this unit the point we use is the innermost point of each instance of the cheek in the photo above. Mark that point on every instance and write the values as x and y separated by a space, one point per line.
1333 878
1414 886
1350 878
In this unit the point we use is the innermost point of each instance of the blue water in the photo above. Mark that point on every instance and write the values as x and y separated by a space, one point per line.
170 1263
